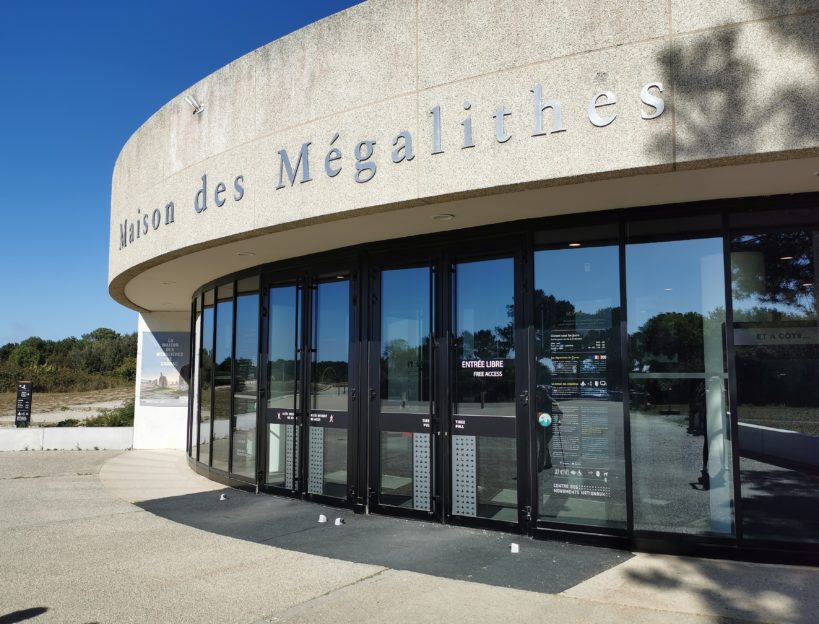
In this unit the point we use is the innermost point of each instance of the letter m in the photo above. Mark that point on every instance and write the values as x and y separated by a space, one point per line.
292 172
123 229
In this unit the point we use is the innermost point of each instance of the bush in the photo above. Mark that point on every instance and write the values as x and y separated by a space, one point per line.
116 417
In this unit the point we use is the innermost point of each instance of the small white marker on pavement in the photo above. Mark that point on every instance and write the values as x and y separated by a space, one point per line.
515 548
223 497
322 518
339 521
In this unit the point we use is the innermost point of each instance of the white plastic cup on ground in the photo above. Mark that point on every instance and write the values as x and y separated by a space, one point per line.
339 521
223 497
322 518
515 548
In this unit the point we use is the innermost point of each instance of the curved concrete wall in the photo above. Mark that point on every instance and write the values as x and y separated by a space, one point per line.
739 88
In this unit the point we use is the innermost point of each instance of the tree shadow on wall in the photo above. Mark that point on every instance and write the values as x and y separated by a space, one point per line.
726 105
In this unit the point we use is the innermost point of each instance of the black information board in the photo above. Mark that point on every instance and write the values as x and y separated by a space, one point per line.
23 412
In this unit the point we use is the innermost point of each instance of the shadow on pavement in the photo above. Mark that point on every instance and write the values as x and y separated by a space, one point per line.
417 546
22 615
761 594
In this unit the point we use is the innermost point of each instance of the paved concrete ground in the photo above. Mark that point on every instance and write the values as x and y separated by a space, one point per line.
75 549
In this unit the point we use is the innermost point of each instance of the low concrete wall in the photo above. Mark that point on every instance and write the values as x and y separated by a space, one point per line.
779 446
66 438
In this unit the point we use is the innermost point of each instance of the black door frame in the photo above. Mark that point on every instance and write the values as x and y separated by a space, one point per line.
371 339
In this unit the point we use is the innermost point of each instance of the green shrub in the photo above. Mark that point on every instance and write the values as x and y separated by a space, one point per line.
116 417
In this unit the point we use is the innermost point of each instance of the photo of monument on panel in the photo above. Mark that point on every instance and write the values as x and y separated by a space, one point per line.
165 369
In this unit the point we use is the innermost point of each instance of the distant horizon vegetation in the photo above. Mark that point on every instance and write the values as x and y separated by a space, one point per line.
99 359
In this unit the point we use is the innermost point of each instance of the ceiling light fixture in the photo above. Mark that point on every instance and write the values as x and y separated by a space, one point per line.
194 103
668 289
574 244
786 258
443 217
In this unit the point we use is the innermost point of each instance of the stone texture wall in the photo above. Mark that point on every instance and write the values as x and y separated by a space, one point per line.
740 84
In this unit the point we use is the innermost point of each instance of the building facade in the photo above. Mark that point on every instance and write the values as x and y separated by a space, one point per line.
546 267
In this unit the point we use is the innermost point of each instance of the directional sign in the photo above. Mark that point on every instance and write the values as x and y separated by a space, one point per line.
23 411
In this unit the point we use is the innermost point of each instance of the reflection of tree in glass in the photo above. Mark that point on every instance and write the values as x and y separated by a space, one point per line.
784 277
671 341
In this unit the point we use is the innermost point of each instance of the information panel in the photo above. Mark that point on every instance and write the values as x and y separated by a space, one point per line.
580 437
22 415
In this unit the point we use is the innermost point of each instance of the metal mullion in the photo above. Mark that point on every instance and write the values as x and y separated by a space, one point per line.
432 406
191 362
374 382
530 450
624 364
446 309
730 361
353 371
262 390
307 380
231 414
213 374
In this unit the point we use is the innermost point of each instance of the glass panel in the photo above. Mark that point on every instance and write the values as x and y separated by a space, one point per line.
284 305
248 284
484 436
678 387
327 462
406 451
331 340
197 362
221 383
405 331
206 381
773 285
579 397
246 385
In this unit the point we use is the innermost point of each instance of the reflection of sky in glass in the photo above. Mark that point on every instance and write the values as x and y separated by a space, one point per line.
224 331
672 276
405 306
247 327
282 339
484 290
332 324
587 278
207 330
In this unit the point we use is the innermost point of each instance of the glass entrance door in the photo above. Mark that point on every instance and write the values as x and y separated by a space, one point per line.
483 410
329 389
401 393
284 377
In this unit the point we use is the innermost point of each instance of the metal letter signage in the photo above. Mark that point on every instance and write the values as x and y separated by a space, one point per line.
364 155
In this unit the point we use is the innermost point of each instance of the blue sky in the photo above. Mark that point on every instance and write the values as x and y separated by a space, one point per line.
78 78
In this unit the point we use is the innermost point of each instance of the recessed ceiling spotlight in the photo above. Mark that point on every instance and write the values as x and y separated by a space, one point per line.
241 254
668 289
339 277
443 217
786 258
574 244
